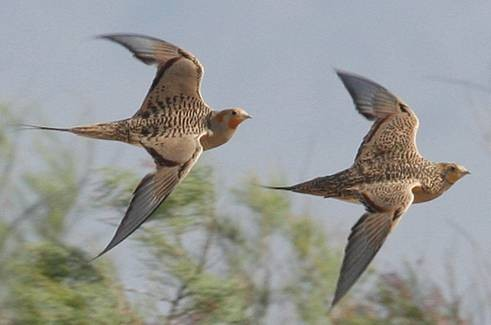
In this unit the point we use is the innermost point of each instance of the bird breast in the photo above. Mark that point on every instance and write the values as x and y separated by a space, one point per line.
215 138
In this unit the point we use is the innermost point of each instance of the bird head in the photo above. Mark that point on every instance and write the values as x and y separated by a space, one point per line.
232 117
453 172
223 126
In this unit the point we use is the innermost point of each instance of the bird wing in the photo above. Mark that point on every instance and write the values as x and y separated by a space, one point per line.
395 124
384 204
178 80
174 158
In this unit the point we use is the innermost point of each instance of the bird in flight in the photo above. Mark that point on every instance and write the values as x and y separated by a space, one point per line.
387 176
174 125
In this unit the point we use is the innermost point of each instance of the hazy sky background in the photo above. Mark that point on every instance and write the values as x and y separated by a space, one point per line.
276 60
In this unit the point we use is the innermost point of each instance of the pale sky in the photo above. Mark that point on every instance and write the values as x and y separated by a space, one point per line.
275 59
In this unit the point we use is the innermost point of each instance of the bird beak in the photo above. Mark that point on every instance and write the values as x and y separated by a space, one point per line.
467 172
247 116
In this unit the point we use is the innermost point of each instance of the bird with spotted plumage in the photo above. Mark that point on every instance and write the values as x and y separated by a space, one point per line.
174 125
388 175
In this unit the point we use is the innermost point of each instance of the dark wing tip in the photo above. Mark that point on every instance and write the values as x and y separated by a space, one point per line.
371 99
335 300
343 73
342 288
365 240
152 191
340 291
143 47
355 85
350 79
142 205
100 254
113 243
116 37
347 77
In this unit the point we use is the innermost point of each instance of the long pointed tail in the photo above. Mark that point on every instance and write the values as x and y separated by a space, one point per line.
116 131
37 127
284 188
326 186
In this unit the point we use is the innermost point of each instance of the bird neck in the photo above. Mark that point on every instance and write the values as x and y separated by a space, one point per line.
217 135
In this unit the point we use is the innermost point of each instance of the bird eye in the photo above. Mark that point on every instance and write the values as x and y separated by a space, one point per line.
452 168
234 113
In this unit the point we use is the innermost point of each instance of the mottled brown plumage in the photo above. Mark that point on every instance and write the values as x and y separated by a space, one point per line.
387 176
174 125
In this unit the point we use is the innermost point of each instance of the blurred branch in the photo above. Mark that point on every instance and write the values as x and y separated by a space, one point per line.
29 211
7 172
181 291
10 154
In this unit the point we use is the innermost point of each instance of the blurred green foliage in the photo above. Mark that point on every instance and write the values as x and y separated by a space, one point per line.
45 280
55 284
252 260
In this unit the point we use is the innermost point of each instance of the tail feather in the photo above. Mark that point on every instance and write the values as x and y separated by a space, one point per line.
116 131
284 188
305 188
321 186
38 127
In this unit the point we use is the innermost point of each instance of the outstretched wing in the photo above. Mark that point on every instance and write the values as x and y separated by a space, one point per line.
174 158
385 205
178 80
393 132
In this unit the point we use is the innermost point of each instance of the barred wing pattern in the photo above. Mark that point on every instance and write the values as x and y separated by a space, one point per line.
393 133
178 80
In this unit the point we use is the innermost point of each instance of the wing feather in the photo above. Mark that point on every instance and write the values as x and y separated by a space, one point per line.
152 191
178 80
371 99
370 231
395 124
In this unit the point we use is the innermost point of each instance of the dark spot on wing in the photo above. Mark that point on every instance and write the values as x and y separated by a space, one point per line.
403 108
159 159
370 205
397 215
145 131
145 114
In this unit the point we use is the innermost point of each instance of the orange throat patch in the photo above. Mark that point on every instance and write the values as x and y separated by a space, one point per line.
234 122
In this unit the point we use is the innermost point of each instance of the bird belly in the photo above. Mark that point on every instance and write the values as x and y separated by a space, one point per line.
347 199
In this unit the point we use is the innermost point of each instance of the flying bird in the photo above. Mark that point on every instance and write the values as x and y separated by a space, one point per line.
174 125
388 175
